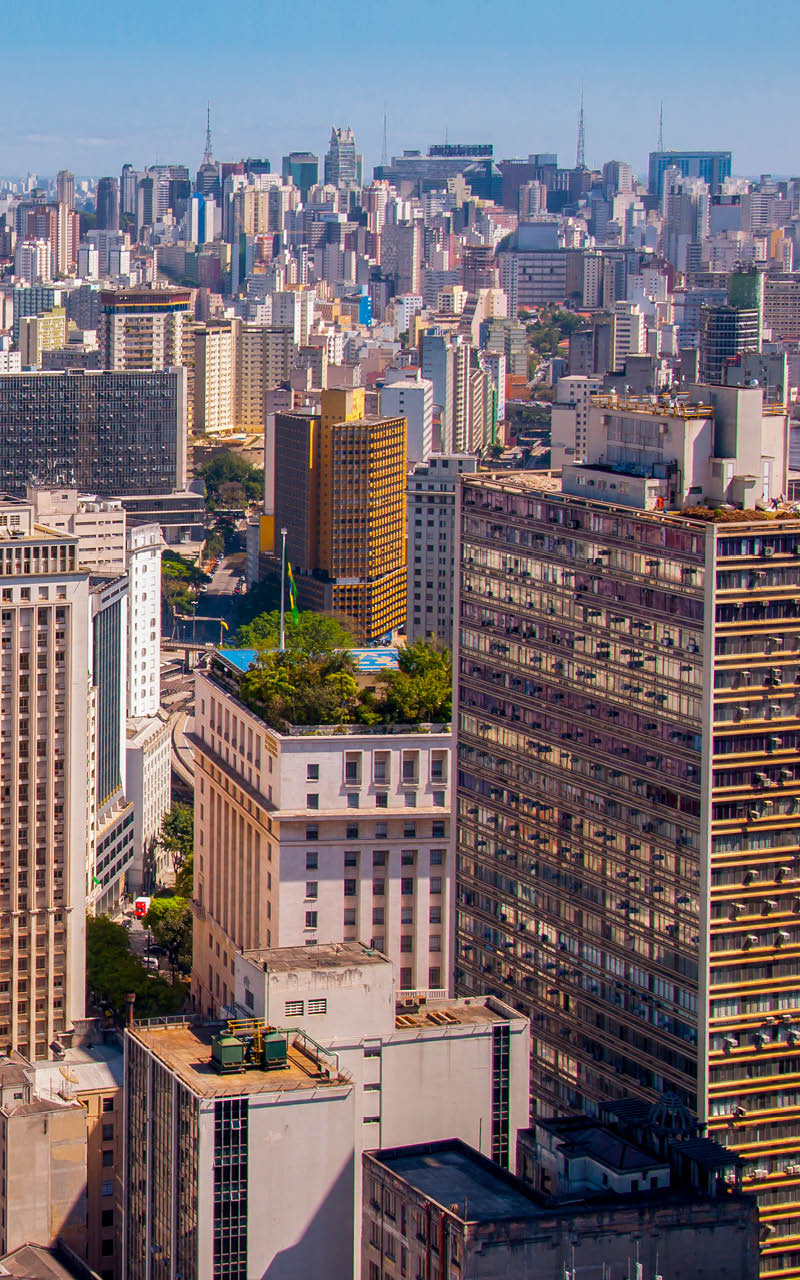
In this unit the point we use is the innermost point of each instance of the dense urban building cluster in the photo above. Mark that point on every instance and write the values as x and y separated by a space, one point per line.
489 969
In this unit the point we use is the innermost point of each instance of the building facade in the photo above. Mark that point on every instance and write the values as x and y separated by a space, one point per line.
144 545
431 523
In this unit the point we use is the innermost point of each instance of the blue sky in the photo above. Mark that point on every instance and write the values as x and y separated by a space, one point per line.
88 86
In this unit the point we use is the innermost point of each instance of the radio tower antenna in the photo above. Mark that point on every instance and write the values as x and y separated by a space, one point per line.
660 146
580 156
385 149
207 155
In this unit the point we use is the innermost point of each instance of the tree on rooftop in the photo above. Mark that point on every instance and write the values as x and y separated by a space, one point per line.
314 634
290 689
421 690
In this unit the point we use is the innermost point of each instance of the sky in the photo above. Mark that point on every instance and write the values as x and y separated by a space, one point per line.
90 86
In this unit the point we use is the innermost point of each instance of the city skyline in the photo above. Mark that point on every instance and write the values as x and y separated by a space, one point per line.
263 98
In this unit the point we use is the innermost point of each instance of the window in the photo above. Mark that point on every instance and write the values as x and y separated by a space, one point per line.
350 858
312 861
439 766
379 857
293 1009
318 1006
352 799
312 772
312 832
408 857
312 801
377 915
349 917
311 919
107 1189
407 885
405 979
437 856
381 830
381 767
108 1133
436 884
312 887
249 998
434 978
378 888
410 830
352 831
382 800
108 1104
435 915
349 888
410 767
410 799
107 1218
407 942
438 799
107 1248
436 942
438 831
108 1159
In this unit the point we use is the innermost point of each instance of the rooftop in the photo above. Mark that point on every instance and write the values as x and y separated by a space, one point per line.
461 1180
472 1010
385 659
34 1262
580 1137
185 1049
329 955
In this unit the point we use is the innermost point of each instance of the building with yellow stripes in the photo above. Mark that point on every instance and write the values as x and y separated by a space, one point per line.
340 494
629 786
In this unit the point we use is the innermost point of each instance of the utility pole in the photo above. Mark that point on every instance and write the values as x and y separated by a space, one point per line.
283 591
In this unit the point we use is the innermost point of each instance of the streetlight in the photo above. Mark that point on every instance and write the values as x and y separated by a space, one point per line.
283 592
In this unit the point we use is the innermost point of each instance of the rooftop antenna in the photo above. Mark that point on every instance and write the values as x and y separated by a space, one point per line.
385 149
580 156
660 146
207 156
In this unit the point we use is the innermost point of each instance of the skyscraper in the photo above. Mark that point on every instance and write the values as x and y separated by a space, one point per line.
343 165
340 490
107 204
712 166
725 333
626 731
65 188
207 182
303 169
44 728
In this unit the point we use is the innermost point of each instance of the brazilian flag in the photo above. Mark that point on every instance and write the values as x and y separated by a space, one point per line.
292 596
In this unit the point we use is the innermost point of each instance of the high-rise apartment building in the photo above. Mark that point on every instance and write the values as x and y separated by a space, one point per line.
629 332
144 545
401 255
712 166
431 523
213 383
106 433
145 328
263 357
340 491
44 728
46 332
412 399
570 416
626 730
344 835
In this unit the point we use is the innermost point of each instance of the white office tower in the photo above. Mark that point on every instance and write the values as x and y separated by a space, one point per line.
570 416
144 620
254 1169
431 521
148 769
44 660
411 398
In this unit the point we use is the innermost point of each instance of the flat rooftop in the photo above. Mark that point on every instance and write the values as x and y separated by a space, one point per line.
472 1010
328 955
186 1050
462 1181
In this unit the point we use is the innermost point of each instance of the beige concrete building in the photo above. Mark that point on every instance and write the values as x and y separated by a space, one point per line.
145 328
214 377
315 836
263 360
44 665
98 524
45 332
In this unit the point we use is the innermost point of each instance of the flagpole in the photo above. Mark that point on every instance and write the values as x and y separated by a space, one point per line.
283 590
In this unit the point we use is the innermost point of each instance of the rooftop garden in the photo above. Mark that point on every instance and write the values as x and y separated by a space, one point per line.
736 515
300 688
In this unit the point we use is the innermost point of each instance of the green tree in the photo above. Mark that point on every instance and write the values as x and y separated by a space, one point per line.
177 834
229 468
421 690
112 971
170 922
184 878
288 689
314 634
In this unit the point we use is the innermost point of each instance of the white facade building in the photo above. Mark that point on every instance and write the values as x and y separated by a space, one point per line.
148 763
570 416
629 332
431 516
346 837
97 523
412 399
144 545
358 1075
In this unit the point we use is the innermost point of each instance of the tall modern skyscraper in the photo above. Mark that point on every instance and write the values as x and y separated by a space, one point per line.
44 729
627 753
725 333
712 166
343 165
107 204
340 491
65 188
208 175
303 169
